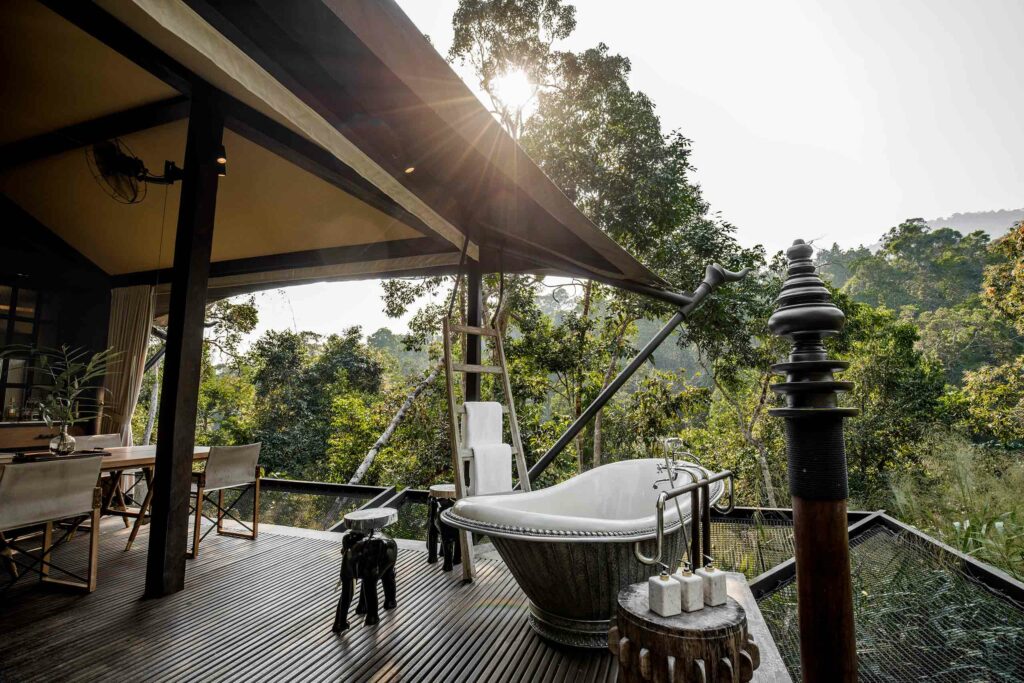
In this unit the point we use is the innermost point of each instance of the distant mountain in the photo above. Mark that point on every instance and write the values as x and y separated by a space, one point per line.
995 223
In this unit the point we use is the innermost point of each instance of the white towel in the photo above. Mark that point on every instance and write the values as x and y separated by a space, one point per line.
483 423
490 470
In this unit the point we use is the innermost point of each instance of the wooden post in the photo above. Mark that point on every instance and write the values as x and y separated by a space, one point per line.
165 569
816 452
474 318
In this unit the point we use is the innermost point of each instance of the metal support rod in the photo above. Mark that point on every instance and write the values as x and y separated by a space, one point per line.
714 275
705 527
695 549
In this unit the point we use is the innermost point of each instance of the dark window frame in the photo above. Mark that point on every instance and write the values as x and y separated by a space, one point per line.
12 318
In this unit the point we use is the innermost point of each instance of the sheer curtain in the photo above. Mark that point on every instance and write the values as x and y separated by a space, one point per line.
131 316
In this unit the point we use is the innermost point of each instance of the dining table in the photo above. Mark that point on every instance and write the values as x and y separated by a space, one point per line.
117 461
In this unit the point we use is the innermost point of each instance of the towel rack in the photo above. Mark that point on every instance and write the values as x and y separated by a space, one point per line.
456 412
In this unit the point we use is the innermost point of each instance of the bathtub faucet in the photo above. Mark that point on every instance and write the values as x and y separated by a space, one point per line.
665 496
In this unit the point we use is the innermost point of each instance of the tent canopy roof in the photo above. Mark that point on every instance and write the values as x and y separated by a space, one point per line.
327 104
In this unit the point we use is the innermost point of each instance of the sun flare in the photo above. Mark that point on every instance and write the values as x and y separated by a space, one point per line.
514 89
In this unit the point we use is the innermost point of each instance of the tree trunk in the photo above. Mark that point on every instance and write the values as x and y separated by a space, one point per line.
154 395
371 455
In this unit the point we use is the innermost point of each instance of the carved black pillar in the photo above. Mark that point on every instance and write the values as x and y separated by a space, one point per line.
816 453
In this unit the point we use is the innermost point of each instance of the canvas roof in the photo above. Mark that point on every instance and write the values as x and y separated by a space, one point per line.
327 104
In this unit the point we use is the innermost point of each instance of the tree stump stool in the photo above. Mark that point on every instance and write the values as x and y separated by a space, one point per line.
442 497
711 645
368 555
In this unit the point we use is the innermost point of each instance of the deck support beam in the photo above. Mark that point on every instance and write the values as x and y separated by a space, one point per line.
165 569
474 318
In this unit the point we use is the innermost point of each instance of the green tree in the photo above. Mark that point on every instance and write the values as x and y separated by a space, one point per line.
298 378
1004 280
602 143
966 337
920 267
837 265
897 389
991 403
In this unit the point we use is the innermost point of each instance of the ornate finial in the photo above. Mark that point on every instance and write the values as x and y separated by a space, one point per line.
805 314
804 310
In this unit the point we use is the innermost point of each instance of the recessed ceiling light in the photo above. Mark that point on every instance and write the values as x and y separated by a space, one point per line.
409 169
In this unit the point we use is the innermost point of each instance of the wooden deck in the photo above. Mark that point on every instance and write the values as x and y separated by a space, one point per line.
262 610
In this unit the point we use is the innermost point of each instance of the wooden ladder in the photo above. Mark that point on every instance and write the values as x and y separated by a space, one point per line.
457 413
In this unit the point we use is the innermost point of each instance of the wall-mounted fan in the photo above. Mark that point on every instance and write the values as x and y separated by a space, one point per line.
122 174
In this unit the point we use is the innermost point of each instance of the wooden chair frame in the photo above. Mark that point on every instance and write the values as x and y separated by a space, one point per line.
199 478
41 563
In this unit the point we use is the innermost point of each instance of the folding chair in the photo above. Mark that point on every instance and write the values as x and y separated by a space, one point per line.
227 467
44 492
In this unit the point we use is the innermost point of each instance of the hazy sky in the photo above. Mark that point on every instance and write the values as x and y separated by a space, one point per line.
824 120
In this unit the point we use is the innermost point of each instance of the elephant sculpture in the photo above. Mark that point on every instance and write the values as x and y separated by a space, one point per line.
451 549
369 558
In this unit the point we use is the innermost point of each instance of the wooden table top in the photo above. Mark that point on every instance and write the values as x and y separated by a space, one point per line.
140 456
129 457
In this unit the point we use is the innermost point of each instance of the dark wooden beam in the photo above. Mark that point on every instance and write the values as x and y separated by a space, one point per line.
91 132
90 18
474 318
331 256
165 569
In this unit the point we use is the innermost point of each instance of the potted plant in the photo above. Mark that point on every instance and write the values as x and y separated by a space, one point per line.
69 377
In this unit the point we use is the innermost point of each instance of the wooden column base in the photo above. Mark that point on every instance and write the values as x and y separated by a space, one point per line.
711 645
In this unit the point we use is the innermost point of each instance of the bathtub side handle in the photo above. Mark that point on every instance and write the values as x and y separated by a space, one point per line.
662 497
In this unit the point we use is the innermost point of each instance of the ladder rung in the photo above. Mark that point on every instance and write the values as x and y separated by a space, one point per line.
469 329
491 369
467 453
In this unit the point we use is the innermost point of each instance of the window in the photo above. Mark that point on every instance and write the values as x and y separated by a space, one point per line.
21 322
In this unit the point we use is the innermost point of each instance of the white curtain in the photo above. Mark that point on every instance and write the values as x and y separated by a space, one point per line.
131 316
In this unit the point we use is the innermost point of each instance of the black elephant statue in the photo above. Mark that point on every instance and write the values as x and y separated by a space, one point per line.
369 558
451 549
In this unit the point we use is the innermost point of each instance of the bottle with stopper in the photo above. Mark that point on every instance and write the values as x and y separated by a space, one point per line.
663 594
714 585
691 588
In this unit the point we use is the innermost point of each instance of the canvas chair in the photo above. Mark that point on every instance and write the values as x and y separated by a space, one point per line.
44 492
227 467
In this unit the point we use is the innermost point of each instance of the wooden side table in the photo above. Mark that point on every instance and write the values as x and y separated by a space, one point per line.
711 645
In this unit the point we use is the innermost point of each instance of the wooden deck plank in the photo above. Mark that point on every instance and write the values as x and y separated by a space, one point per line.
262 610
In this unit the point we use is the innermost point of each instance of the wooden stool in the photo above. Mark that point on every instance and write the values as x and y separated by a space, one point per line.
368 555
441 497
711 645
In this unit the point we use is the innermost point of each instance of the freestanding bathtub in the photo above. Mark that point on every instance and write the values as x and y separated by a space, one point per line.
570 546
